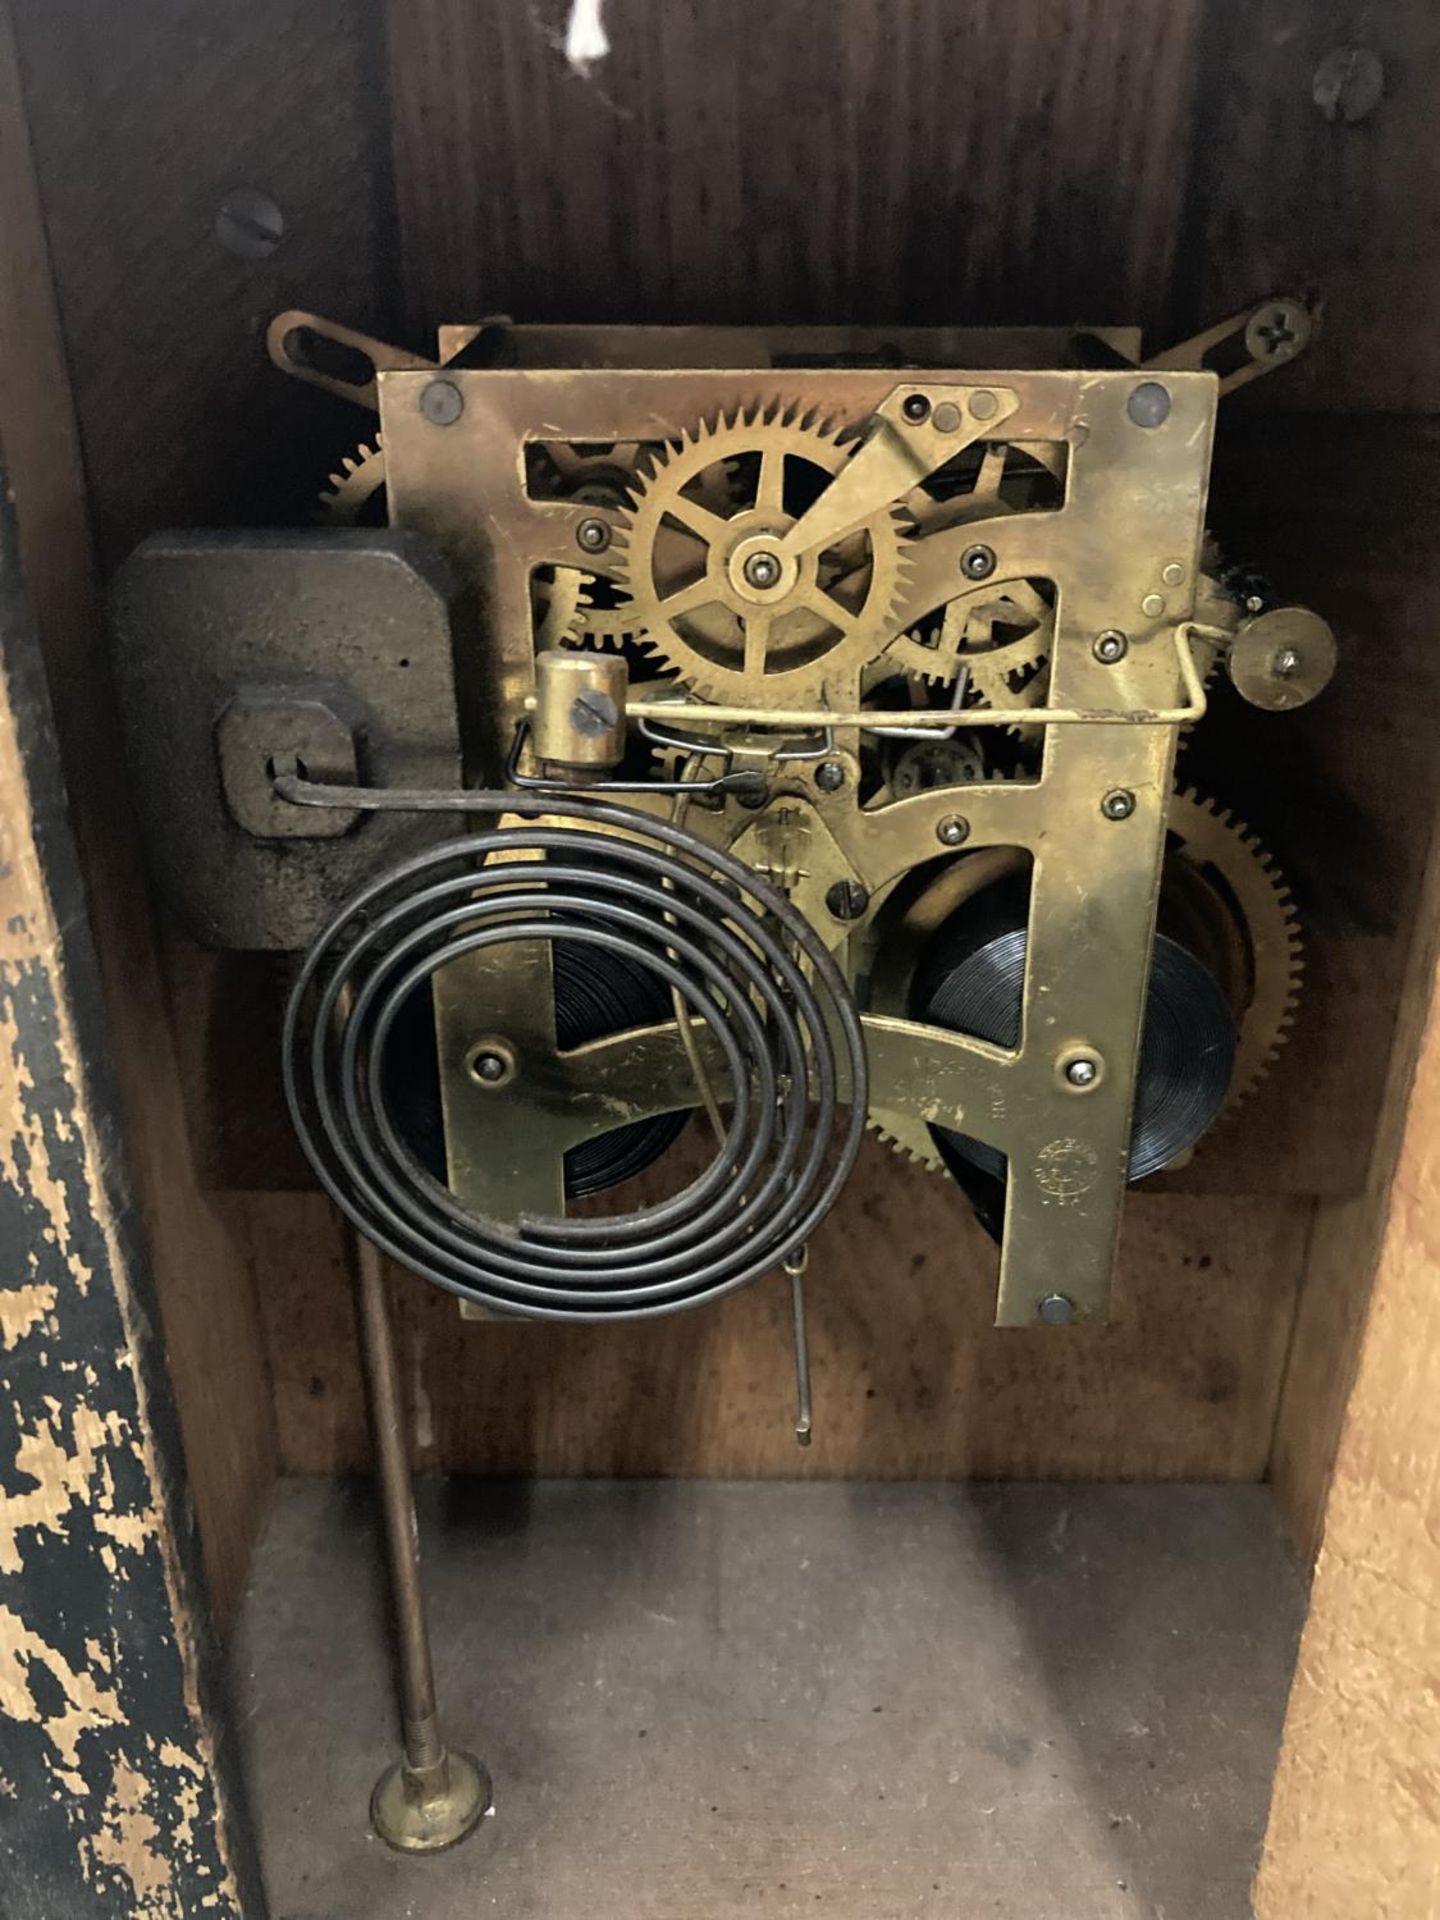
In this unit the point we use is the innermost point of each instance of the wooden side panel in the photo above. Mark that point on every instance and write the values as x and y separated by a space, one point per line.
845 160
1283 197
210 1319
1344 1248
1355 1824
145 117
911 1379
119 1798
1342 512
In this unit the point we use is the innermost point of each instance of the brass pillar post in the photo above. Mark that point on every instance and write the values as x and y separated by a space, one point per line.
434 1796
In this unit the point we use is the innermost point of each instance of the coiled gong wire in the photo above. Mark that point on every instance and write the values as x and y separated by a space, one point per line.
733 948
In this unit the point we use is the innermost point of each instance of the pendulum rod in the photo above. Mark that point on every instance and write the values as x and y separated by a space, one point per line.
434 1796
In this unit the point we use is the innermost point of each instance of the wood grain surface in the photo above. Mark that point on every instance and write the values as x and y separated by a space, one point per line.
215 1345
145 117
1355 1823
1282 196
1345 1244
854 160
911 1378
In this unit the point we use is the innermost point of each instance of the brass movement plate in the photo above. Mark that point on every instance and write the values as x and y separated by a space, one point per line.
1122 552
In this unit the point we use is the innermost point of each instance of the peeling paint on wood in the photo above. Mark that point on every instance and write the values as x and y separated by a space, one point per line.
115 1795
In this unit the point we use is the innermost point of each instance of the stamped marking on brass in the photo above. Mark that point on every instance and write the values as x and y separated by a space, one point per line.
1066 1169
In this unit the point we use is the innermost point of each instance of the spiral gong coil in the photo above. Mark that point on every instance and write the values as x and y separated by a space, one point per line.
608 880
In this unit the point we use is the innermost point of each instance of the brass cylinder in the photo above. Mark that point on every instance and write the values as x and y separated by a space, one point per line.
433 1795
419 1721
579 717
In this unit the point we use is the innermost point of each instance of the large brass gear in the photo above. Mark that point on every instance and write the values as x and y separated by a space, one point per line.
697 577
1222 892
1217 849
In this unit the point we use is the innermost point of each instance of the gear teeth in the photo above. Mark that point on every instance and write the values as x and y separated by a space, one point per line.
754 425
353 483
1275 1000
929 1161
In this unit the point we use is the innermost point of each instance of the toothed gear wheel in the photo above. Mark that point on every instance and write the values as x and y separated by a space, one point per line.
908 1137
600 476
998 631
740 621
1260 969
355 493
1011 682
606 477
560 601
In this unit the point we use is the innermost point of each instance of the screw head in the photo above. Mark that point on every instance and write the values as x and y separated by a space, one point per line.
953 830
1153 605
1110 646
1349 83
1278 331
1056 1310
592 536
593 713
830 776
847 900
978 562
441 402
1118 804
762 570
1286 662
915 408
1172 573
1082 1071
490 1063
1149 404
249 224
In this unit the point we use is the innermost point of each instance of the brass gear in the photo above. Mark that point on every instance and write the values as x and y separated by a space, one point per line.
606 476
355 490
599 476
1014 673
909 1138
1213 848
560 601
1221 890
694 575
973 632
